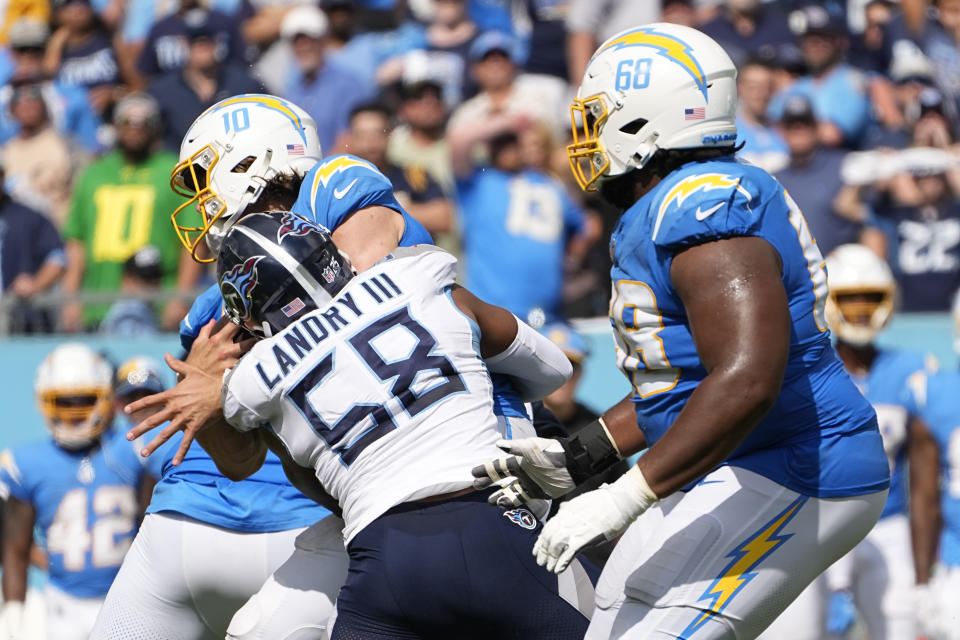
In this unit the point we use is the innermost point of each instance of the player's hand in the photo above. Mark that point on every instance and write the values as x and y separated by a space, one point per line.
841 613
214 350
536 469
11 621
927 612
594 517
190 406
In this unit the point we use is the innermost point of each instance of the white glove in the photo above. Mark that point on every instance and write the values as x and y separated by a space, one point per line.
927 611
591 518
11 621
537 470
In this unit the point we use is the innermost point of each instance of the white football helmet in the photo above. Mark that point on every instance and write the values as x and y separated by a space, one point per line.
861 293
227 157
74 394
658 86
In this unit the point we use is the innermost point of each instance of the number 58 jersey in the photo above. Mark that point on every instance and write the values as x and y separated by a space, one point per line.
821 437
382 392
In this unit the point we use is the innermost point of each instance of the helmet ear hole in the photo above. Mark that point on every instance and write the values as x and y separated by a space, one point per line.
633 126
244 165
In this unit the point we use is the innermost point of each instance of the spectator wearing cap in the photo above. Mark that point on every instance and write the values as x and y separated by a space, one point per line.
419 194
38 158
167 46
837 91
31 262
493 65
419 139
446 43
523 212
762 143
324 89
749 29
813 179
67 106
79 53
132 316
920 209
121 203
205 79
938 35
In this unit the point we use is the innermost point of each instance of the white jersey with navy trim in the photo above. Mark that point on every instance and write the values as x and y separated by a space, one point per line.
382 392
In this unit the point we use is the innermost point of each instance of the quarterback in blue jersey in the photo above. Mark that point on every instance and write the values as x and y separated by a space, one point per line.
79 488
764 463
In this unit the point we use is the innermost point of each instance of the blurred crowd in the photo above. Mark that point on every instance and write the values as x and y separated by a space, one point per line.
854 105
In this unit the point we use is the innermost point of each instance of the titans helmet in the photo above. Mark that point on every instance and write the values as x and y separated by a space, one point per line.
276 267
862 293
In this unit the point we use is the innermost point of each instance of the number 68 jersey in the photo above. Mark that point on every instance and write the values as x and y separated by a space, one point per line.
820 438
382 392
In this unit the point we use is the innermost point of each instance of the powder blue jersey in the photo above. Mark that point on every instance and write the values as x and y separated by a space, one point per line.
892 386
820 438
515 233
86 506
331 191
941 412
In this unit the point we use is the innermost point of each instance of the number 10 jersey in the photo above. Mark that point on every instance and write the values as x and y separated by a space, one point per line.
382 392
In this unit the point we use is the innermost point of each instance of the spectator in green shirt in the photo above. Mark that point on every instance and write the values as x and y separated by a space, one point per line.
121 203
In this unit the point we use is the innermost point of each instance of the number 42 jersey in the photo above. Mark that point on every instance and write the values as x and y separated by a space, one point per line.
382 392
820 438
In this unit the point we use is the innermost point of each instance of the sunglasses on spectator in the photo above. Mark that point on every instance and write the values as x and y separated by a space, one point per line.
144 123
27 91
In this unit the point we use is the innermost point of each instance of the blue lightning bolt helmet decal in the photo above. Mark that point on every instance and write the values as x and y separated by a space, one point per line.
670 47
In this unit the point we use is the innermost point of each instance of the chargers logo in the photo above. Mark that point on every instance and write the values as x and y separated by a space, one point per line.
692 184
522 518
293 225
670 47
745 559
238 284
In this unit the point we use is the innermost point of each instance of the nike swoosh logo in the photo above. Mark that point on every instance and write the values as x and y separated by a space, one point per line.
703 215
705 481
339 193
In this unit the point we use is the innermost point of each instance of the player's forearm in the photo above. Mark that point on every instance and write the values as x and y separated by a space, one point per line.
18 520
721 412
925 527
238 455
925 517
621 423
15 576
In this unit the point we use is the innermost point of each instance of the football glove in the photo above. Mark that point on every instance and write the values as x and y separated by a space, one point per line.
594 517
541 468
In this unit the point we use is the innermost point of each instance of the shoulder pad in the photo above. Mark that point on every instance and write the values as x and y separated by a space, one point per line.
440 264
703 206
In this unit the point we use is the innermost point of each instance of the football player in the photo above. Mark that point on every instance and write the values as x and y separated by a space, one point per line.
878 576
879 573
378 383
765 464
262 519
938 552
79 487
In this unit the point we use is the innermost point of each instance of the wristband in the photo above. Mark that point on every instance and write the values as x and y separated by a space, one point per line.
589 452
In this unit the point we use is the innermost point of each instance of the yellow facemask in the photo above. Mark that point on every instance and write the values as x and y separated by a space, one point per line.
588 160
191 179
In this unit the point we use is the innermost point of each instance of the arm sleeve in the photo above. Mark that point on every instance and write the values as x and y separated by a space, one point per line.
536 365
246 406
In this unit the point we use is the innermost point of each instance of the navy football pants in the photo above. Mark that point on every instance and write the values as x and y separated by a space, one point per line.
453 570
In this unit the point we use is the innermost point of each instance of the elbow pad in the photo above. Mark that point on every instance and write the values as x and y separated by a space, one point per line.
537 366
